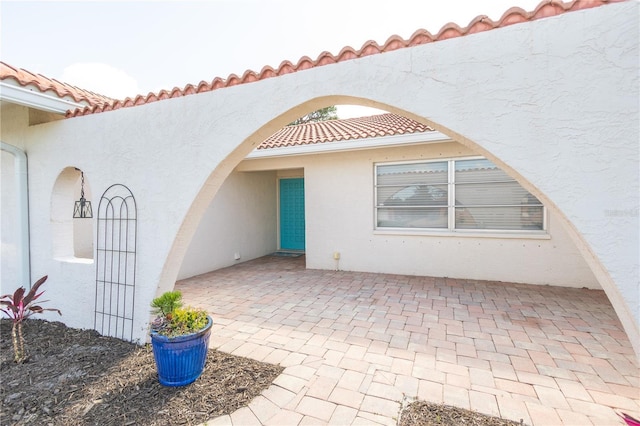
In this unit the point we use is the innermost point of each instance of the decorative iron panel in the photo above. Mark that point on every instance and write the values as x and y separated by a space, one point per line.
116 263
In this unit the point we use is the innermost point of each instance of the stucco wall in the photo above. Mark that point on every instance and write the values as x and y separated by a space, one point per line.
10 252
553 102
340 218
240 220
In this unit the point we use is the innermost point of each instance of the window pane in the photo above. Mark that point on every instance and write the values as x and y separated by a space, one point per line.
478 171
493 193
412 174
434 217
511 218
416 195
413 195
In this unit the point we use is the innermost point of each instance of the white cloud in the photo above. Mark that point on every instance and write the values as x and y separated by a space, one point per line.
102 79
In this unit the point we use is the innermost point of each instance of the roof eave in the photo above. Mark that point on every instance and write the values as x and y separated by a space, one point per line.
350 145
36 100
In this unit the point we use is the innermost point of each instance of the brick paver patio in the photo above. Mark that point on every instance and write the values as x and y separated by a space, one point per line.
357 346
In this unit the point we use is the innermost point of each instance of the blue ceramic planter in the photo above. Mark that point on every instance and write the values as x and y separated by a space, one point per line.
180 360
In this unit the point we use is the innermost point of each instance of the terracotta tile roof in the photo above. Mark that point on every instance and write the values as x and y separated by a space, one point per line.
97 103
44 84
343 130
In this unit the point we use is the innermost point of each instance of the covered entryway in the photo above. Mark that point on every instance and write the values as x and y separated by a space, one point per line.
292 221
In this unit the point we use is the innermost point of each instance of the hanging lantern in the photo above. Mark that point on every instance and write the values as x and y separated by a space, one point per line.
82 208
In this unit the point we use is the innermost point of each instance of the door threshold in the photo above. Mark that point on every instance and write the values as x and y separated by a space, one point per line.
288 253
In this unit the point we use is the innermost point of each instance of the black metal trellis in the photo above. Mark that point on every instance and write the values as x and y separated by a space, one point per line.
116 263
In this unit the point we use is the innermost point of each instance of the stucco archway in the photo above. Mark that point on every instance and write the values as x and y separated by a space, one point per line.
524 120
218 176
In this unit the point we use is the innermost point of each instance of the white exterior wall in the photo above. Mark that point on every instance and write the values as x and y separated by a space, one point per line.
553 102
10 254
240 220
339 208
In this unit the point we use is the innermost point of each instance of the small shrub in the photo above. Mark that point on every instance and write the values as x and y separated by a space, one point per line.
187 320
174 320
19 307
167 303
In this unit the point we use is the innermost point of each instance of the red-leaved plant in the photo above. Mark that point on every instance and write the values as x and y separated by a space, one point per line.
630 421
20 307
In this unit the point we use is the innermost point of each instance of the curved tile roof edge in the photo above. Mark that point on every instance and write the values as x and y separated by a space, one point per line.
44 84
98 103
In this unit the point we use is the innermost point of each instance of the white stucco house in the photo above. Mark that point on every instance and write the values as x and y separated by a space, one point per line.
510 153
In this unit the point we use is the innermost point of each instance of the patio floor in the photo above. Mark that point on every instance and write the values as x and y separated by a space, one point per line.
357 346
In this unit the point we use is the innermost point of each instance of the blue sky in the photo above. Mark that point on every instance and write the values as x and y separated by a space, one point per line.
121 49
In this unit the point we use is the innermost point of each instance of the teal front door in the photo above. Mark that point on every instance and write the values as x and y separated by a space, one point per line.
292 214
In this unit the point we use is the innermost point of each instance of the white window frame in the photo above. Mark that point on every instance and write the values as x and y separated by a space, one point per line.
450 229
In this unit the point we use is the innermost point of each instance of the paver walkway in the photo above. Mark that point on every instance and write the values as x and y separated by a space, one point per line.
356 346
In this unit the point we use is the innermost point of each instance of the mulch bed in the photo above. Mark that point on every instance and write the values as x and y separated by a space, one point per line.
77 377
421 413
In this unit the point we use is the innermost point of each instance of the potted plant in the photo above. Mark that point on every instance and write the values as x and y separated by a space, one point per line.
180 340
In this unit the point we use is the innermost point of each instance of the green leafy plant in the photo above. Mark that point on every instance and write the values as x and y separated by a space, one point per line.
19 307
174 320
167 303
187 320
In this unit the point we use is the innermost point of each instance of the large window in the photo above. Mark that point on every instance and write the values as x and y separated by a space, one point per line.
466 194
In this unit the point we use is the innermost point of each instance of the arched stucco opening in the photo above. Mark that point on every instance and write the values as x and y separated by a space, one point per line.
476 148
72 238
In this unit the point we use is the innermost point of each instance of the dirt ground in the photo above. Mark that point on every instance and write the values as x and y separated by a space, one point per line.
77 377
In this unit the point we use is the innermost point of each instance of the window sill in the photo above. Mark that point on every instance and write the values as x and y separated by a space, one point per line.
531 235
